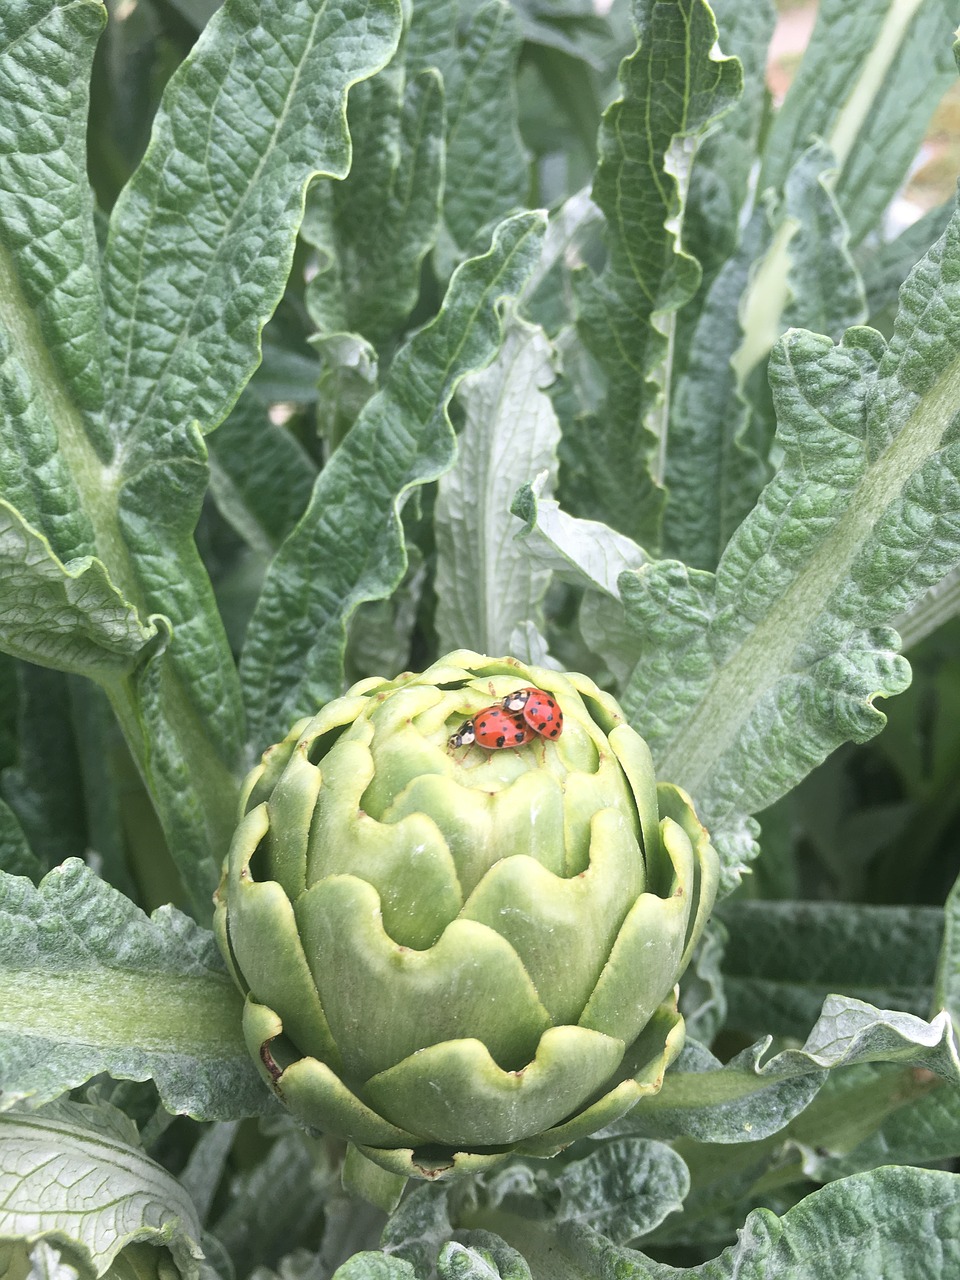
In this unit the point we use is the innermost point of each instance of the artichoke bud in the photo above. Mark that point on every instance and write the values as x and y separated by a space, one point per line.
450 955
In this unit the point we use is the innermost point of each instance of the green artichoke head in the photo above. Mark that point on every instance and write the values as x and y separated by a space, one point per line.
452 954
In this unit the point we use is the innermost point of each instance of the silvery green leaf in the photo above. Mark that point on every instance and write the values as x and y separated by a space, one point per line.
674 87
63 1182
866 1226
745 1100
918 1129
379 223
887 266
69 616
868 84
418 1226
374 1266
202 238
91 984
624 1188
590 555
260 476
487 585
481 1257
947 985
721 176
710 418
779 658
264 1209
806 276
199 249
703 998
16 856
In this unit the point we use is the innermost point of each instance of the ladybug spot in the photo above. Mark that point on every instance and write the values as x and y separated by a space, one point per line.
501 740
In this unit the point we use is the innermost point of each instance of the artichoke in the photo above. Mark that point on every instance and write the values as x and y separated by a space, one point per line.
451 955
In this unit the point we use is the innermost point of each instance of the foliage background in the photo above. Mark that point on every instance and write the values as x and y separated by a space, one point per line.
858 859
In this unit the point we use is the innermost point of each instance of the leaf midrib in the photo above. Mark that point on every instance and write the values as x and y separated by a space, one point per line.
120 1009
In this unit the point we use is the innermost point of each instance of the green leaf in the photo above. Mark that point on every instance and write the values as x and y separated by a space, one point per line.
806 276
487 586
674 86
590 555
267 1208
43 787
199 249
886 268
783 958
90 984
202 238
624 1189
69 616
710 419
374 229
868 84
744 1101
720 180
486 167
349 546
51 322
895 1222
374 1266
780 658
947 987
71 1185
16 856
418 1226
260 476
481 1255
917 1130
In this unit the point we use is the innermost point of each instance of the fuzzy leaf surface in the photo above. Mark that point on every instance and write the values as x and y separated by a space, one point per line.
198 252
486 584
475 48
69 1184
877 1223
381 221
91 984
625 1188
68 616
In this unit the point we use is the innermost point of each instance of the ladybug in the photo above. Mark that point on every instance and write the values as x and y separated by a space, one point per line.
537 709
493 728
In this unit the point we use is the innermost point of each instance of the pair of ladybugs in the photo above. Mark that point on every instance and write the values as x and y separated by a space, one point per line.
517 719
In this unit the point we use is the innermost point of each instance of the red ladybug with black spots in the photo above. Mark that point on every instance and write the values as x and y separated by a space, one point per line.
538 710
495 729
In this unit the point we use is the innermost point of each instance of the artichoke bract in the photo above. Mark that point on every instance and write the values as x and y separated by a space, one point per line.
454 954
